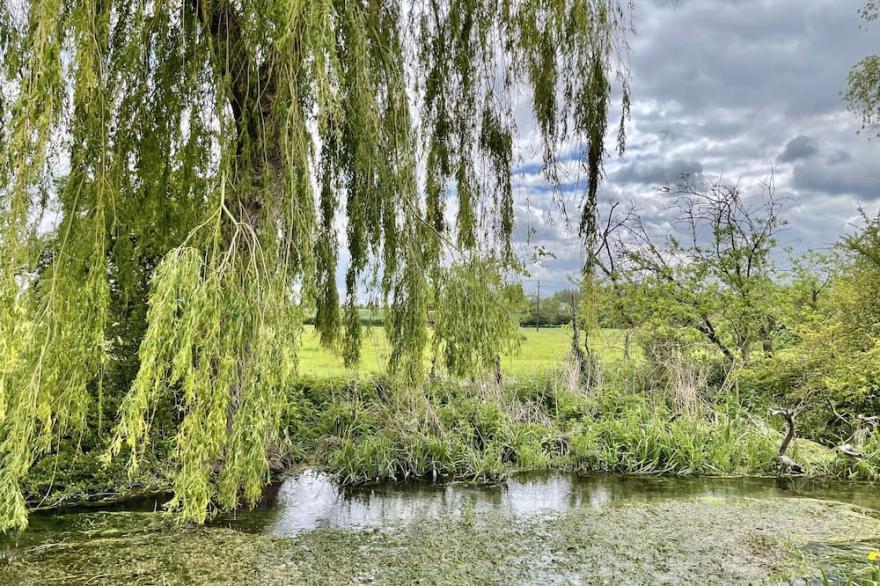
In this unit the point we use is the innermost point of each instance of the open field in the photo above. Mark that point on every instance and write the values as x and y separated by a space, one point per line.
539 350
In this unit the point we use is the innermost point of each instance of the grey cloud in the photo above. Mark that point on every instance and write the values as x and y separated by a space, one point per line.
839 157
852 178
768 56
801 147
655 173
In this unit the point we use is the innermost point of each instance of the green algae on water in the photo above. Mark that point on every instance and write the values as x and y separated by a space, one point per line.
705 540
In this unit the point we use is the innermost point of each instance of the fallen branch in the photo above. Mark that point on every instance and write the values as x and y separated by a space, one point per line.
849 450
784 462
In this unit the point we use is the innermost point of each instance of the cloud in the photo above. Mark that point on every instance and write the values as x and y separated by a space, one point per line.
656 173
738 89
857 178
801 147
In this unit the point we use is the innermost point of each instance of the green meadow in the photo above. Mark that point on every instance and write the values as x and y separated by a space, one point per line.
539 351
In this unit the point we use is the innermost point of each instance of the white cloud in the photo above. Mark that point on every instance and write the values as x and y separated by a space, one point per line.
723 87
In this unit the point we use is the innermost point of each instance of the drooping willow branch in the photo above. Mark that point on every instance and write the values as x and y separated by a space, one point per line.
202 160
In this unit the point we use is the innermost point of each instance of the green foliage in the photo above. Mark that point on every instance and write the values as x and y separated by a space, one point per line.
199 136
199 321
643 439
716 279
864 468
476 317
815 323
832 360
462 431
863 85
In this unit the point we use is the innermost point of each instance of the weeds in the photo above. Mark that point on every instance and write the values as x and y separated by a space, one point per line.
476 431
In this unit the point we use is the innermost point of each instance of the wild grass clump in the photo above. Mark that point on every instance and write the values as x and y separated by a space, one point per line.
645 440
866 467
456 437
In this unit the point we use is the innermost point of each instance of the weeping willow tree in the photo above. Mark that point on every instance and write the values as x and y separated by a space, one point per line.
206 159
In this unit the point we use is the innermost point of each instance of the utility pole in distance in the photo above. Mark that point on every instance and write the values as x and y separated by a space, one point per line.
538 309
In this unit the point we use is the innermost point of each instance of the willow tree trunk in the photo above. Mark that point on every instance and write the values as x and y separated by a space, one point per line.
252 90
251 94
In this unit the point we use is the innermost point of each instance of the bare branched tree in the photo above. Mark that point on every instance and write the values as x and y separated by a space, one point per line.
717 262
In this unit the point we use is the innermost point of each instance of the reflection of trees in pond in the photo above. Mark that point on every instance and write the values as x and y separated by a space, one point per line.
312 500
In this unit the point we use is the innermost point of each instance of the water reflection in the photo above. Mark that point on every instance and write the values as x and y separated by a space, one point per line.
310 500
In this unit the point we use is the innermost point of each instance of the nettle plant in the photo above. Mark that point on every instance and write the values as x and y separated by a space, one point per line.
201 157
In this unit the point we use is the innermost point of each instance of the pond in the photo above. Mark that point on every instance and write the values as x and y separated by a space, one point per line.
533 528
311 500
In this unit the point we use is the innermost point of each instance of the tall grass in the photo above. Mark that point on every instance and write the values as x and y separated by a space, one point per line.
865 468
364 431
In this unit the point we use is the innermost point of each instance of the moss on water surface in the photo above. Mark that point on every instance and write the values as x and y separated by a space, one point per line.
705 540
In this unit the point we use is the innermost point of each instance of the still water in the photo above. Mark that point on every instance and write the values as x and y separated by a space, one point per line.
311 500
533 528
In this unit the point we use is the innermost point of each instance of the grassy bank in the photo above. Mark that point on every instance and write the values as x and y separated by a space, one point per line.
629 417
368 430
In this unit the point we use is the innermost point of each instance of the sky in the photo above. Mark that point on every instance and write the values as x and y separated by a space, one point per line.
736 89
726 88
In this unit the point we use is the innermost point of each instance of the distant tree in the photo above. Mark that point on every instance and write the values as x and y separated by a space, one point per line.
553 310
